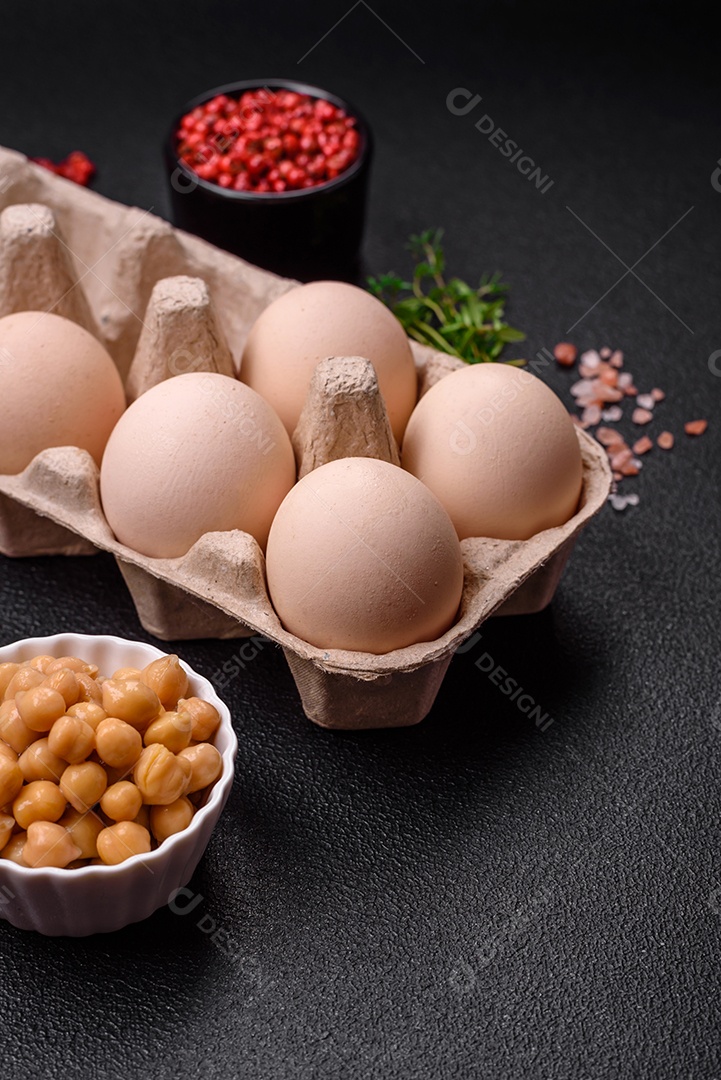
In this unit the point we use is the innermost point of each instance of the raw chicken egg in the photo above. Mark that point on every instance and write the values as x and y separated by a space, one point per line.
58 387
322 319
197 453
362 556
498 448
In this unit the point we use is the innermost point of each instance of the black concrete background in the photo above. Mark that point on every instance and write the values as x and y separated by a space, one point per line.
472 897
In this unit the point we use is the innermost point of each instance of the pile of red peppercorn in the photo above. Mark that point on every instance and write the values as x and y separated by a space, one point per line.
268 141
77 166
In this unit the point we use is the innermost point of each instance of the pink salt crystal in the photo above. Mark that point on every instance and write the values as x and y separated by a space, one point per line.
657 395
618 502
622 458
630 390
642 445
580 387
585 401
606 393
630 469
625 379
617 476
579 422
605 352
607 436
665 440
609 376
590 359
616 359
695 427
565 353
641 416
632 499
612 415
591 415
646 401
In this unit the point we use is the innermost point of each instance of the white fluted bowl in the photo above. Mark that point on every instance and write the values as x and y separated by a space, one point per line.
98 899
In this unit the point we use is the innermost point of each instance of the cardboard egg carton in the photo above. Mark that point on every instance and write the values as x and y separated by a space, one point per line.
164 302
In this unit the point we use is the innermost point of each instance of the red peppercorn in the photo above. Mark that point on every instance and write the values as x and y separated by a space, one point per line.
316 166
266 141
255 164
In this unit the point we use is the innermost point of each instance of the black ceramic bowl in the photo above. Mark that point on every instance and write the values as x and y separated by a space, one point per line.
310 233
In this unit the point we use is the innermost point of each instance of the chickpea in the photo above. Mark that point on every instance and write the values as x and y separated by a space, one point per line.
89 712
84 785
172 729
89 688
120 842
66 683
122 801
11 780
132 701
7 751
126 673
118 744
205 717
40 707
167 678
72 663
25 678
84 829
165 821
49 844
39 762
160 779
40 663
13 729
13 850
39 800
187 770
71 739
7 824
7 670
206 765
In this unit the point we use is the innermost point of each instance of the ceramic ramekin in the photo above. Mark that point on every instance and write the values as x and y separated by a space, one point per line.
308 233
98 899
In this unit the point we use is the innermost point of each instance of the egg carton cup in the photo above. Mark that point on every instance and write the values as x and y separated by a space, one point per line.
101 899
164 302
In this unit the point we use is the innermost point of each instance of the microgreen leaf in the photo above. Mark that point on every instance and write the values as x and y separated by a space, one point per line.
450 315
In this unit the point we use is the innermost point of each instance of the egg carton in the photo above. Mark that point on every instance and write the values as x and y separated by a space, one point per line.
163 302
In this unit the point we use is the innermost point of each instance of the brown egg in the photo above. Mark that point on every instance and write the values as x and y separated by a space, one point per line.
322 319
362 556
498 449
58 387
198 453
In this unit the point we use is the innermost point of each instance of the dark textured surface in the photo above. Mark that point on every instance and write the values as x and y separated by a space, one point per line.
472 897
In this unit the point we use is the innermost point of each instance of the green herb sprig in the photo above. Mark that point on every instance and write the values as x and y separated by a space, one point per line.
450 315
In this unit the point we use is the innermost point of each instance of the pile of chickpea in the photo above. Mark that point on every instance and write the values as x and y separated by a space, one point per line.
96 770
